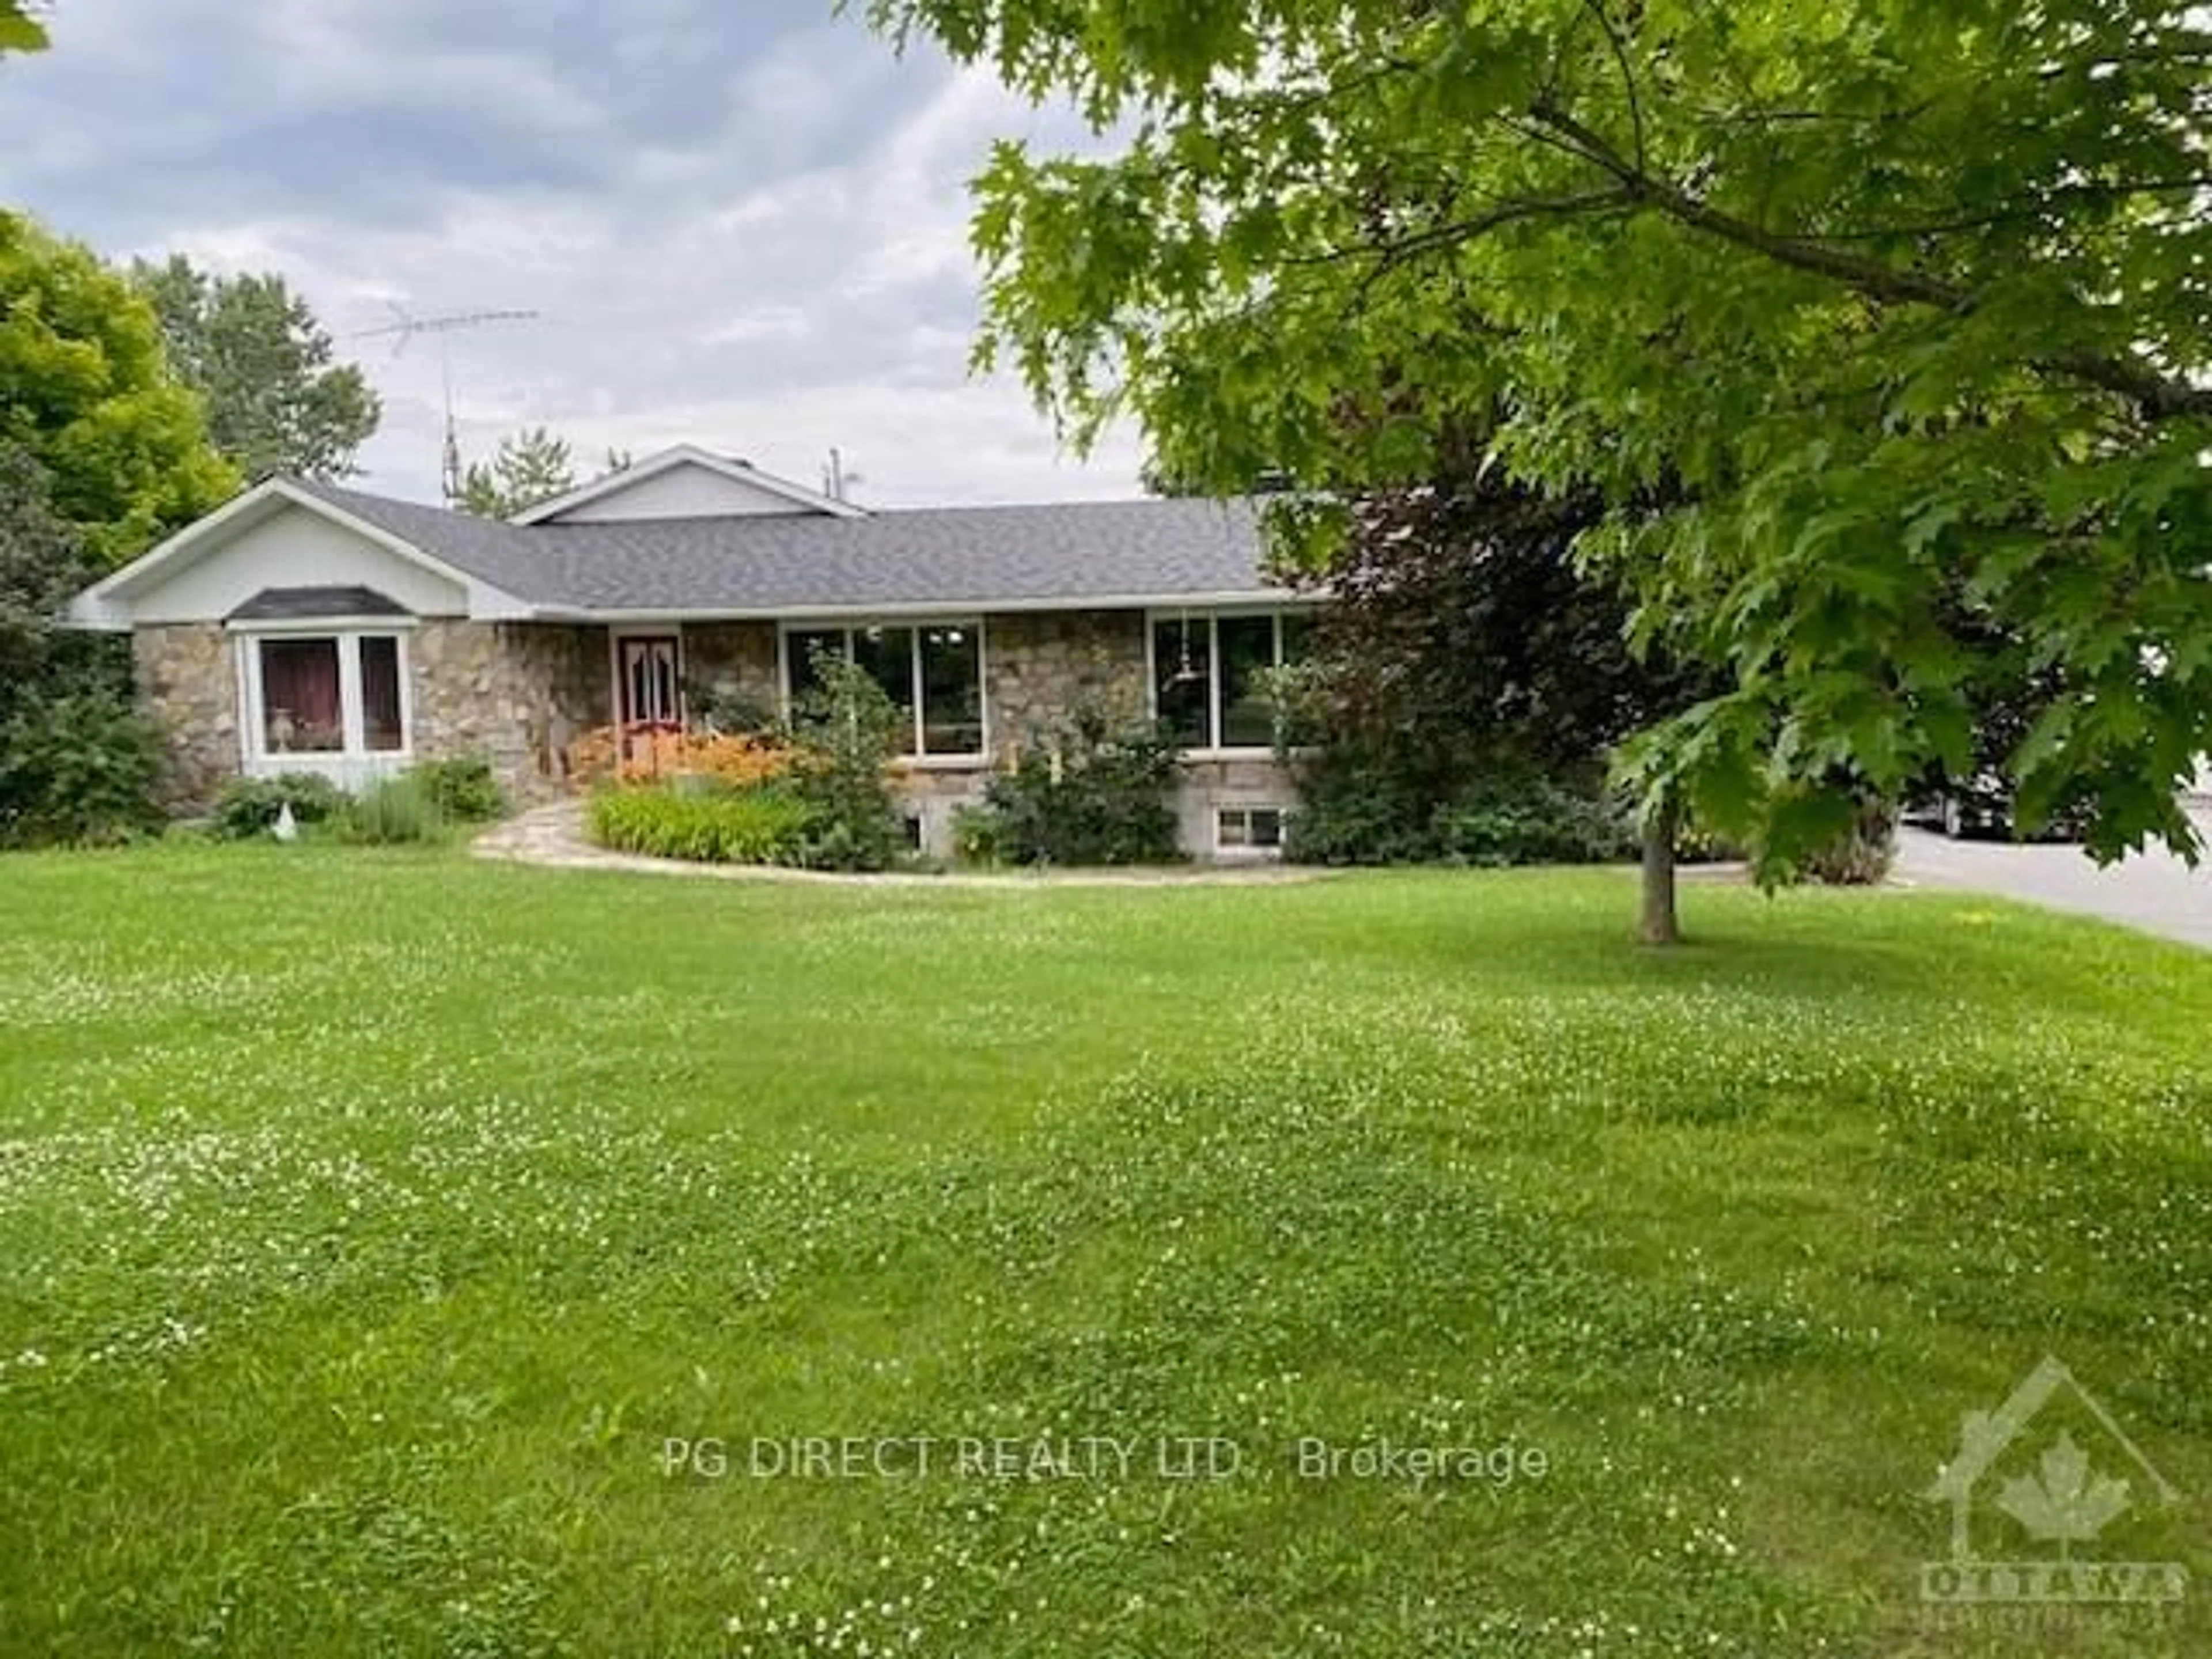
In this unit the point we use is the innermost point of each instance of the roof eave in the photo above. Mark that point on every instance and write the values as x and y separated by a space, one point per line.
1278 598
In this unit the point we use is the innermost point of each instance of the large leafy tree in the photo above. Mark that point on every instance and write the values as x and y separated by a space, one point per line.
1903 306
276 401
85 391
1464 644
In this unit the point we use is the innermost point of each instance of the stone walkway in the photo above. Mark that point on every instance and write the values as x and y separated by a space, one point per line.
554 836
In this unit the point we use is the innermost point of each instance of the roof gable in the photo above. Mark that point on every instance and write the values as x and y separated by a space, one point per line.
685 483
282 534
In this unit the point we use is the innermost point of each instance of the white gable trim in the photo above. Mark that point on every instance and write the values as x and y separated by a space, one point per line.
687 455
105 604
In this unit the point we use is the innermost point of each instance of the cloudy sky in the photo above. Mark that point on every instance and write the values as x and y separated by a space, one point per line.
742 225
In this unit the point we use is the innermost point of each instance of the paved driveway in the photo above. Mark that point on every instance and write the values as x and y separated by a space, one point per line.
2153 892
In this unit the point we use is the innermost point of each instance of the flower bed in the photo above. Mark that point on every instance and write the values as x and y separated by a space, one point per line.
761 825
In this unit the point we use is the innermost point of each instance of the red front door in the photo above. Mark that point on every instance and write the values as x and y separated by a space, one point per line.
649 679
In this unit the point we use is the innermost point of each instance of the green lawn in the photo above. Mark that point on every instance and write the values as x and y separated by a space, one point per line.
370 1225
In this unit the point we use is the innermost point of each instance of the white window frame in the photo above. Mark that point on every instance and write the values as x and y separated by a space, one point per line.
912 755
1210 620
1250 850
354 754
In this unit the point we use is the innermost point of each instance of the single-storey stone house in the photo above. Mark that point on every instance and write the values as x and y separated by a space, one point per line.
306 627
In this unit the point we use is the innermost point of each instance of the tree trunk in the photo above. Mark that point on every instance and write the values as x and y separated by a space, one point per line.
1658 923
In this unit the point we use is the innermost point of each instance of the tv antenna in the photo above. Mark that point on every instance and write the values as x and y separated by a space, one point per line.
836 479
406 325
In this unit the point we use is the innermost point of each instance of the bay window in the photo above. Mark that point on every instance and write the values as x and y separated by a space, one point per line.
1210 675
932 672
332 696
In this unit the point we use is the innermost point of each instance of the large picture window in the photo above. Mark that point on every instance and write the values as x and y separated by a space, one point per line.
1210 675
932 673
326 694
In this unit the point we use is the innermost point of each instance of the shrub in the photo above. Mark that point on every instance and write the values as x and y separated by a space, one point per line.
978 835
392 812
758 826
249 806
1348 814
1352 813
78 767
726 711
1535 821
1861 855
462 789
1091 793
849 729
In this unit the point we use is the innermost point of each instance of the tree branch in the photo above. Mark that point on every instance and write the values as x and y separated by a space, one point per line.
1596 10
1412 246
2157 396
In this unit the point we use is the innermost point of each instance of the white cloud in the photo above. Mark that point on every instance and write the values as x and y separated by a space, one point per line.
766 255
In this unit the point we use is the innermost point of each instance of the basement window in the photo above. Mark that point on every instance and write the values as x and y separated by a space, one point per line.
1249 830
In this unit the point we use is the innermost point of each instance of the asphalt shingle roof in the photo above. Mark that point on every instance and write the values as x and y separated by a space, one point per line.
957 557
284 604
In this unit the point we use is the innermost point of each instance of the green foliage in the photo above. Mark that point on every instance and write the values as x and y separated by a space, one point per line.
1087 792
78 766
462 788
730 712
263 365
529 467
752 826
1459 700
979 835
77 763
391 811
85 391
853 729
1536 821
1892 306
1861 855
43 563
1356 810
19 30
249 807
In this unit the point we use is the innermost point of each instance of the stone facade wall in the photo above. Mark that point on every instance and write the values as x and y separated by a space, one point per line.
187 680
516 693
735 662
1042 665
